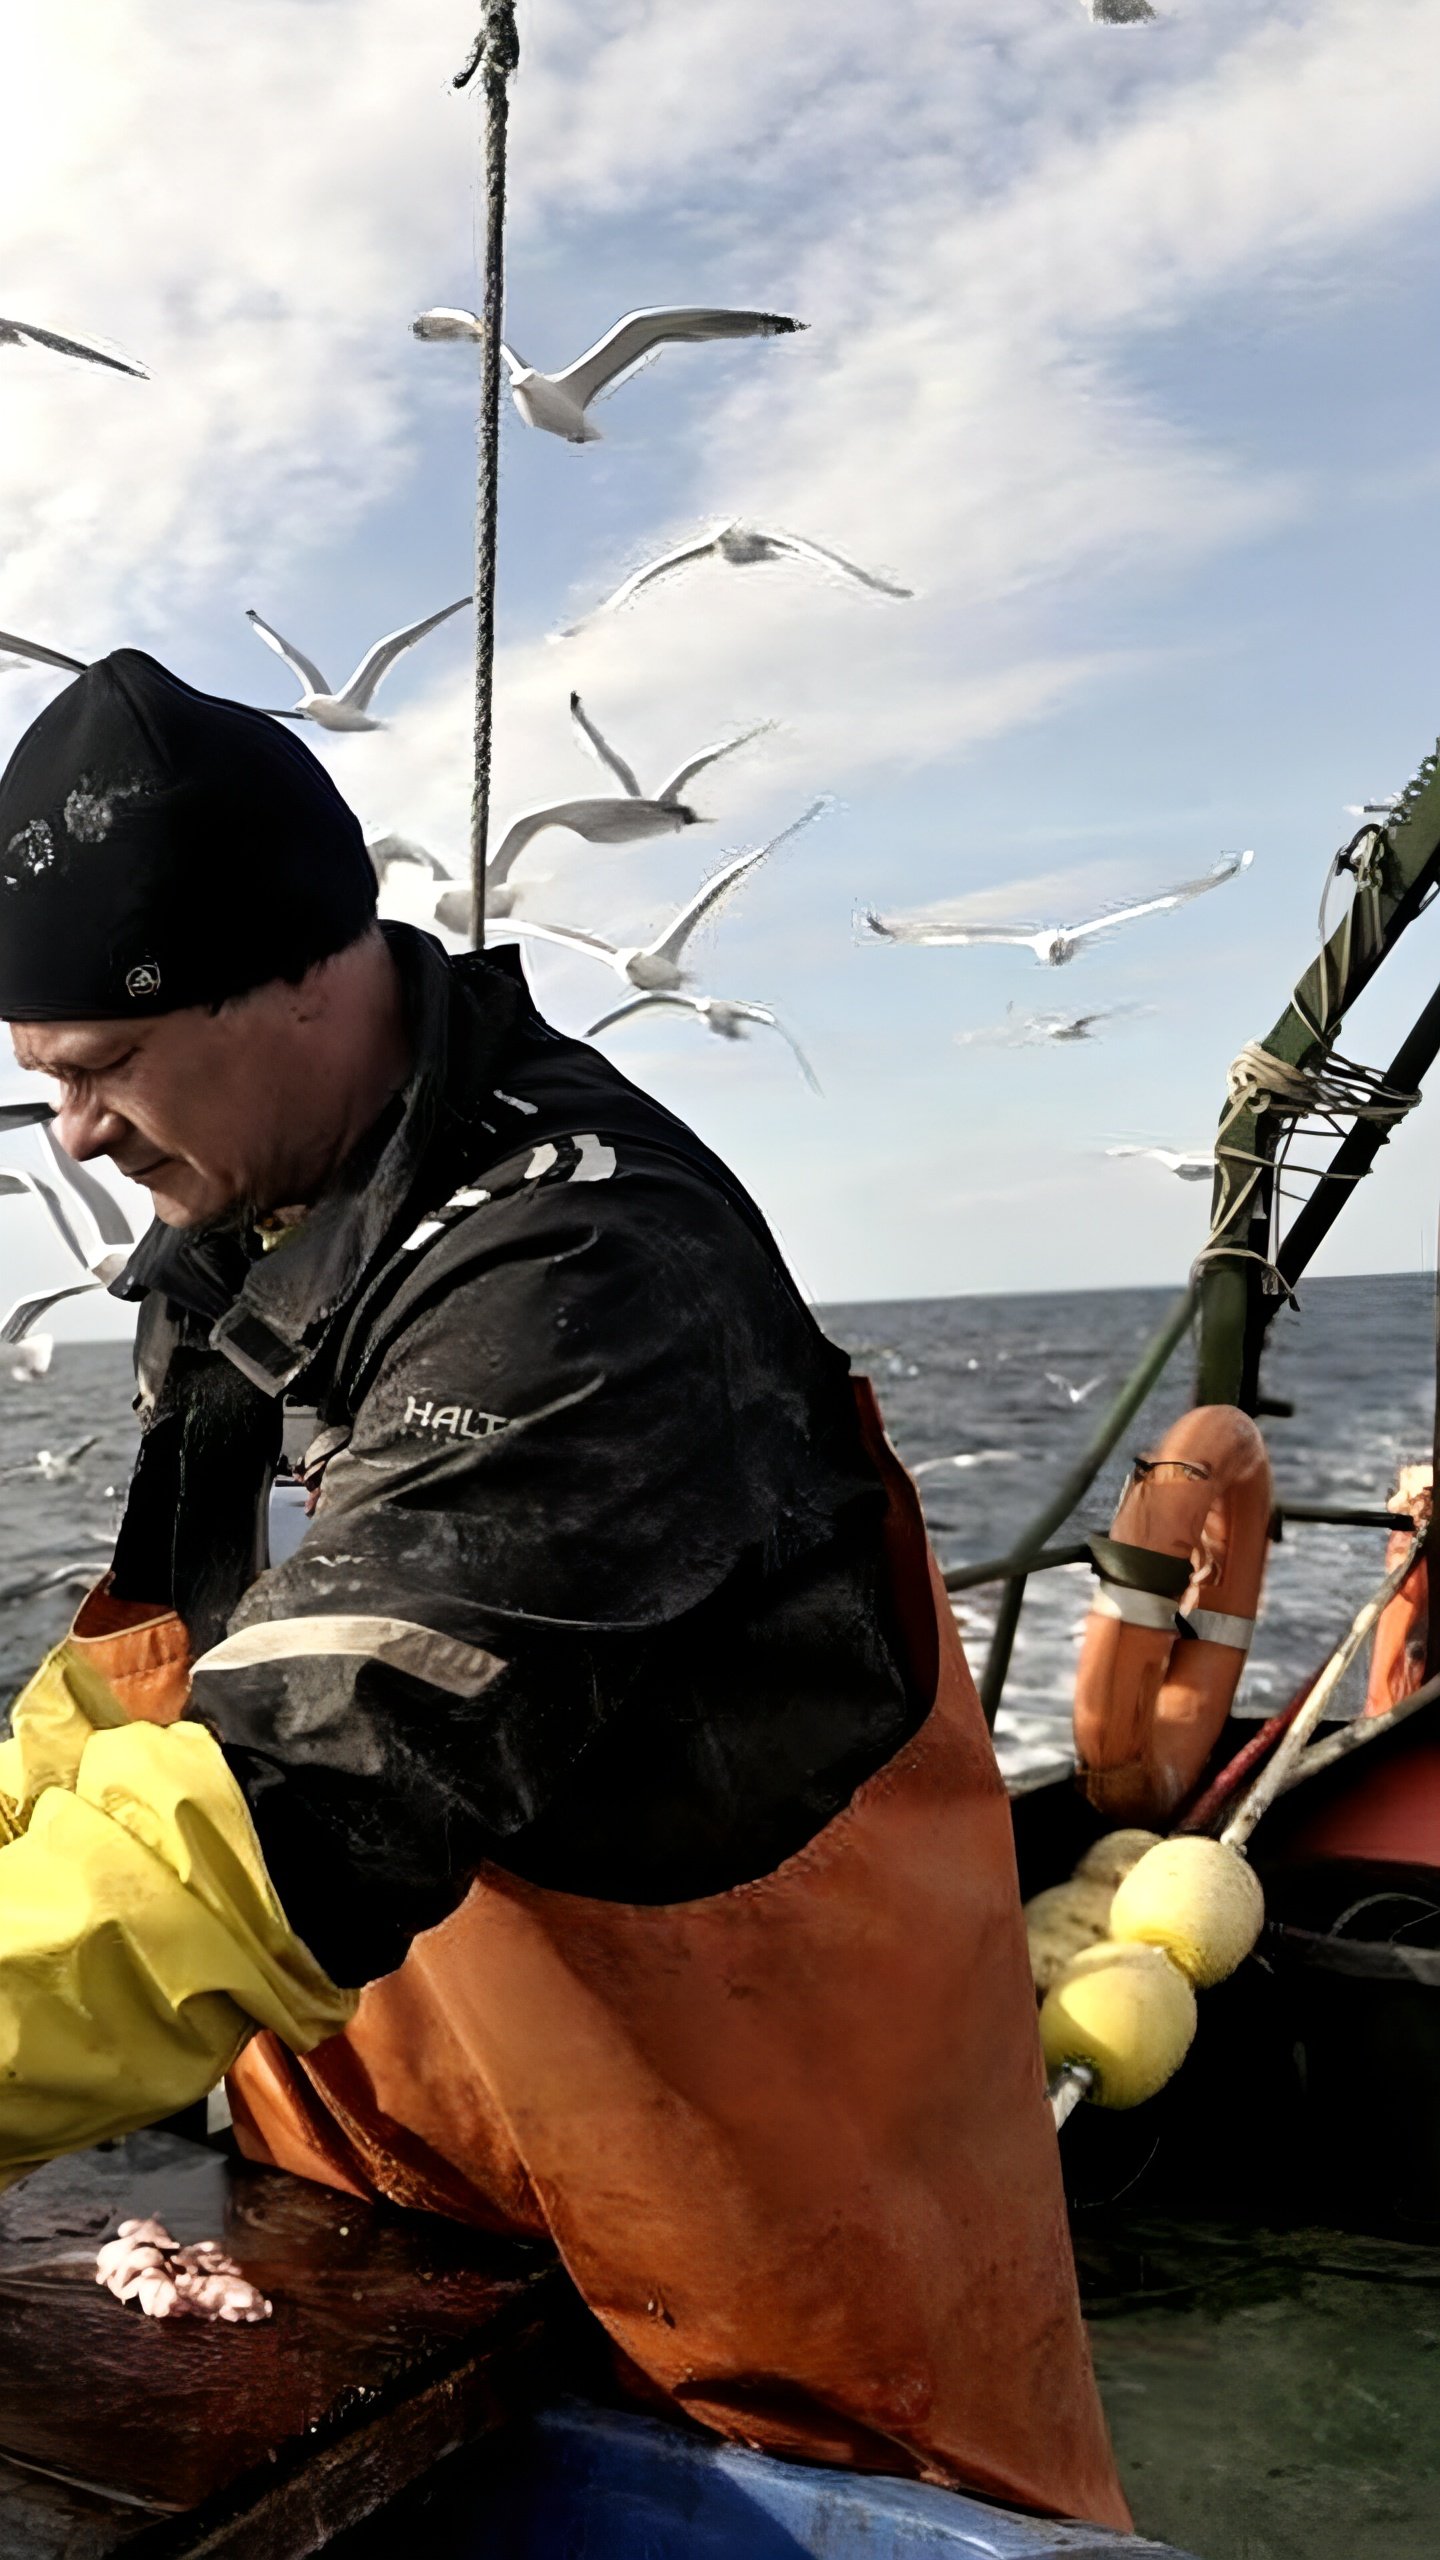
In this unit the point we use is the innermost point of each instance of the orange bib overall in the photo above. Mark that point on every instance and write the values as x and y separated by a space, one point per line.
791 2141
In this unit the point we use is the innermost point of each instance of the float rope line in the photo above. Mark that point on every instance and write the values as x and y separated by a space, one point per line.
495 56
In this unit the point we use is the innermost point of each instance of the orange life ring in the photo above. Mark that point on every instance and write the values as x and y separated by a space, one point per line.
1397 1664
1169 1628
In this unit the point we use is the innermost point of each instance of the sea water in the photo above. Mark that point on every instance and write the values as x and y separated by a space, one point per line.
964 1376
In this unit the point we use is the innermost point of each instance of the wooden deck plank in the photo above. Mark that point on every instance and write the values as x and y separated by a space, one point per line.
395 2338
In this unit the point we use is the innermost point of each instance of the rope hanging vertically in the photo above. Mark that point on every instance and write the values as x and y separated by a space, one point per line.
495 56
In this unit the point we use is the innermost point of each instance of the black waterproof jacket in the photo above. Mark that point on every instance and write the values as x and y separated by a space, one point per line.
591 1587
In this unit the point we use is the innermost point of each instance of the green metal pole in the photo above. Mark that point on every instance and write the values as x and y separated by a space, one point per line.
1150 1366
1234 1311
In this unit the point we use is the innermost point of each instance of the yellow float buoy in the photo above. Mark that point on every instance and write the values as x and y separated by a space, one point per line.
1196 1899
1126 2014
1110 1858
1061 1921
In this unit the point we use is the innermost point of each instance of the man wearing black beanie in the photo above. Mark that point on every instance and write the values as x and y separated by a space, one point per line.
601 1729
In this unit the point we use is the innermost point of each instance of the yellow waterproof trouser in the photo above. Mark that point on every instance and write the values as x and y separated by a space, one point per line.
141 1940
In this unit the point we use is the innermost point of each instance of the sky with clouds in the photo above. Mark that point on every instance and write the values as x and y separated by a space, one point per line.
1121 351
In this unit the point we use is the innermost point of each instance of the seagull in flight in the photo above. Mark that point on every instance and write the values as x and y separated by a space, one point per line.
419 886
52 1464
1072 1393
1197 1166
1037 1030
617 820
728 1016
741 546
350 707
1384 808
26 333
558 401
1053 945
655 968
668 796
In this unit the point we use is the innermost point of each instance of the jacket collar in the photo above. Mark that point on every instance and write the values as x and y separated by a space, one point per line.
268 1315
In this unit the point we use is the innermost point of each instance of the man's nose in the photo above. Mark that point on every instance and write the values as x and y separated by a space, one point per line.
87 1127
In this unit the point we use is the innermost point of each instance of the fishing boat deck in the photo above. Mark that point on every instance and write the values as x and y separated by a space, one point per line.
1271 2393
395 2338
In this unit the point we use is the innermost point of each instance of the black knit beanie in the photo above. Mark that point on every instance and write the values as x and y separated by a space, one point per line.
161 847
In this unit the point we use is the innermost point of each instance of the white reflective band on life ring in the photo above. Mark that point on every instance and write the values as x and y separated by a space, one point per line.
1211 1626
1137 1608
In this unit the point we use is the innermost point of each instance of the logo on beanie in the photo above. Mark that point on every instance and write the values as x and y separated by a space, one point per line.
142 980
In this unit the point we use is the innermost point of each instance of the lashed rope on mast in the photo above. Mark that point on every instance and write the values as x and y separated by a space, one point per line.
495 55
1260 1085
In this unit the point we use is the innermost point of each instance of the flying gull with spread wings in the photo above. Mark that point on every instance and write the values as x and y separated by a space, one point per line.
350 707
1044 1030
1053 945
729 1017
656 967
558 402
741 546
621 819
52 1464
1196 1166
63 342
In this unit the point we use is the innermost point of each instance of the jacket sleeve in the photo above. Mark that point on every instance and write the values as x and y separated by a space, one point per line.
141 1940
574 1420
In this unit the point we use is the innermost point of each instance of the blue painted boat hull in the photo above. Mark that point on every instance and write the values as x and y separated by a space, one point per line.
579 2483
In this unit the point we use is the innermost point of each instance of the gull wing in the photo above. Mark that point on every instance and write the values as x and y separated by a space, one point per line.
377 661
113 1233
600 746
24 1115
801 548
383 850
568 936
10 646
668 946
1215 878
576 815
649 1003
90 350
940 929
632 339
305 668
69 1456
28 1311
772 1022
33 1186
631 586
676 784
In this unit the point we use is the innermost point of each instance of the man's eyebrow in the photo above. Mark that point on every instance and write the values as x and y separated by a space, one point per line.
110 1056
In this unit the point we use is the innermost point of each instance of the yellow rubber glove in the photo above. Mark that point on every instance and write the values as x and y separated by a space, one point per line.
141 1941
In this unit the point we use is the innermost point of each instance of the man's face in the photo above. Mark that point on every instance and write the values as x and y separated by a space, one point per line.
189 1104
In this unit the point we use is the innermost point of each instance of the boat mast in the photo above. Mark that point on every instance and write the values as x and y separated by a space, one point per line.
1395 867
496 54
